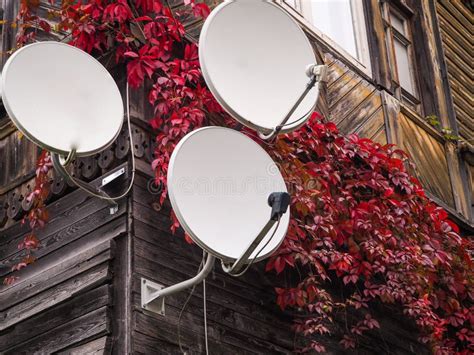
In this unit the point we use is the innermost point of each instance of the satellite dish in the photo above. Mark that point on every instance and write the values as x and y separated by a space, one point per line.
61 98
229 196
219 182
256 61
65 101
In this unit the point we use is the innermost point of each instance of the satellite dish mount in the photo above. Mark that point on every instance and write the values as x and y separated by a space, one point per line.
153 294
317 75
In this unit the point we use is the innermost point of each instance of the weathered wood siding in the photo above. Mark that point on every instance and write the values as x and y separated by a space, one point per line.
456 23
63 301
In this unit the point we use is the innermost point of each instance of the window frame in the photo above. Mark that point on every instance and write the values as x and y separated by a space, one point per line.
358 8
413 100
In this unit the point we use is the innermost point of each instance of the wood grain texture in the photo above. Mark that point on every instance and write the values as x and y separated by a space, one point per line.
429 155
87 280
88 326
99 346
56 316
457 33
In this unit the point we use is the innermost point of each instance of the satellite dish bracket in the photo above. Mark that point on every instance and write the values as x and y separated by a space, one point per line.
60 166
153 294
317 75
279 202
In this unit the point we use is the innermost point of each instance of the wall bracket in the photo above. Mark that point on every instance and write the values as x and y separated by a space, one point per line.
148 288
153 294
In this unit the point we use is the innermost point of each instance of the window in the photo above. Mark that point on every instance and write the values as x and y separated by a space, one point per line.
341 24
400 49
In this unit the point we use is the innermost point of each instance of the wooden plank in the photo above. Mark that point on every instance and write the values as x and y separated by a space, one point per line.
75 205
53 238
336 70
47 299
64 269
109 231
122 284
430 158
221 341
19 158
341 87
372 124
219 313
347 106
462 8
55 316
260 303
99 346
145 344
376 38
362 114
450 13
89 326
391 107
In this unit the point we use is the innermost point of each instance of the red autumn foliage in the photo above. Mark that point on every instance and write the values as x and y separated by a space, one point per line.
37 216
358 217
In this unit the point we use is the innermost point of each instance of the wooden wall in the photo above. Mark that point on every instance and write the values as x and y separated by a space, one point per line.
456 28
64 301
456 25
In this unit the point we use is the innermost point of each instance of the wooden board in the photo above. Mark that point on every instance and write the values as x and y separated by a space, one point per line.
456 25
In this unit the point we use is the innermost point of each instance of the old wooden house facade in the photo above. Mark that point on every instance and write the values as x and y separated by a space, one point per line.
392 64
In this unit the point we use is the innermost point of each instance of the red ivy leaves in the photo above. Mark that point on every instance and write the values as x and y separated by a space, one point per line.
200 9
369 224
37 216
144 63
118 11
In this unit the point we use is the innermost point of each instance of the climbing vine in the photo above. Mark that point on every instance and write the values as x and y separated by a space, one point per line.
359 220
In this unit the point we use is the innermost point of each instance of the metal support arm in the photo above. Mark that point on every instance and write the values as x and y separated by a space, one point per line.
153 294
317 75
61 169
279 202
244 258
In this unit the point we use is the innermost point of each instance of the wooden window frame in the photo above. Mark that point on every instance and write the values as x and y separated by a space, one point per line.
363 63
389 9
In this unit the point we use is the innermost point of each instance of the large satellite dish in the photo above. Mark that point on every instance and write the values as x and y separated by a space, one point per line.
219 182
62 98
65 101
229 196
256 61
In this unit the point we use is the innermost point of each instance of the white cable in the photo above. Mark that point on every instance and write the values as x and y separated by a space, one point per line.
205 315
132 151
186 303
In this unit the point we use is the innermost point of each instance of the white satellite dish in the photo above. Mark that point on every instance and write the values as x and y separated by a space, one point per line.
62 98
65 101
219 181
230 197
256 61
